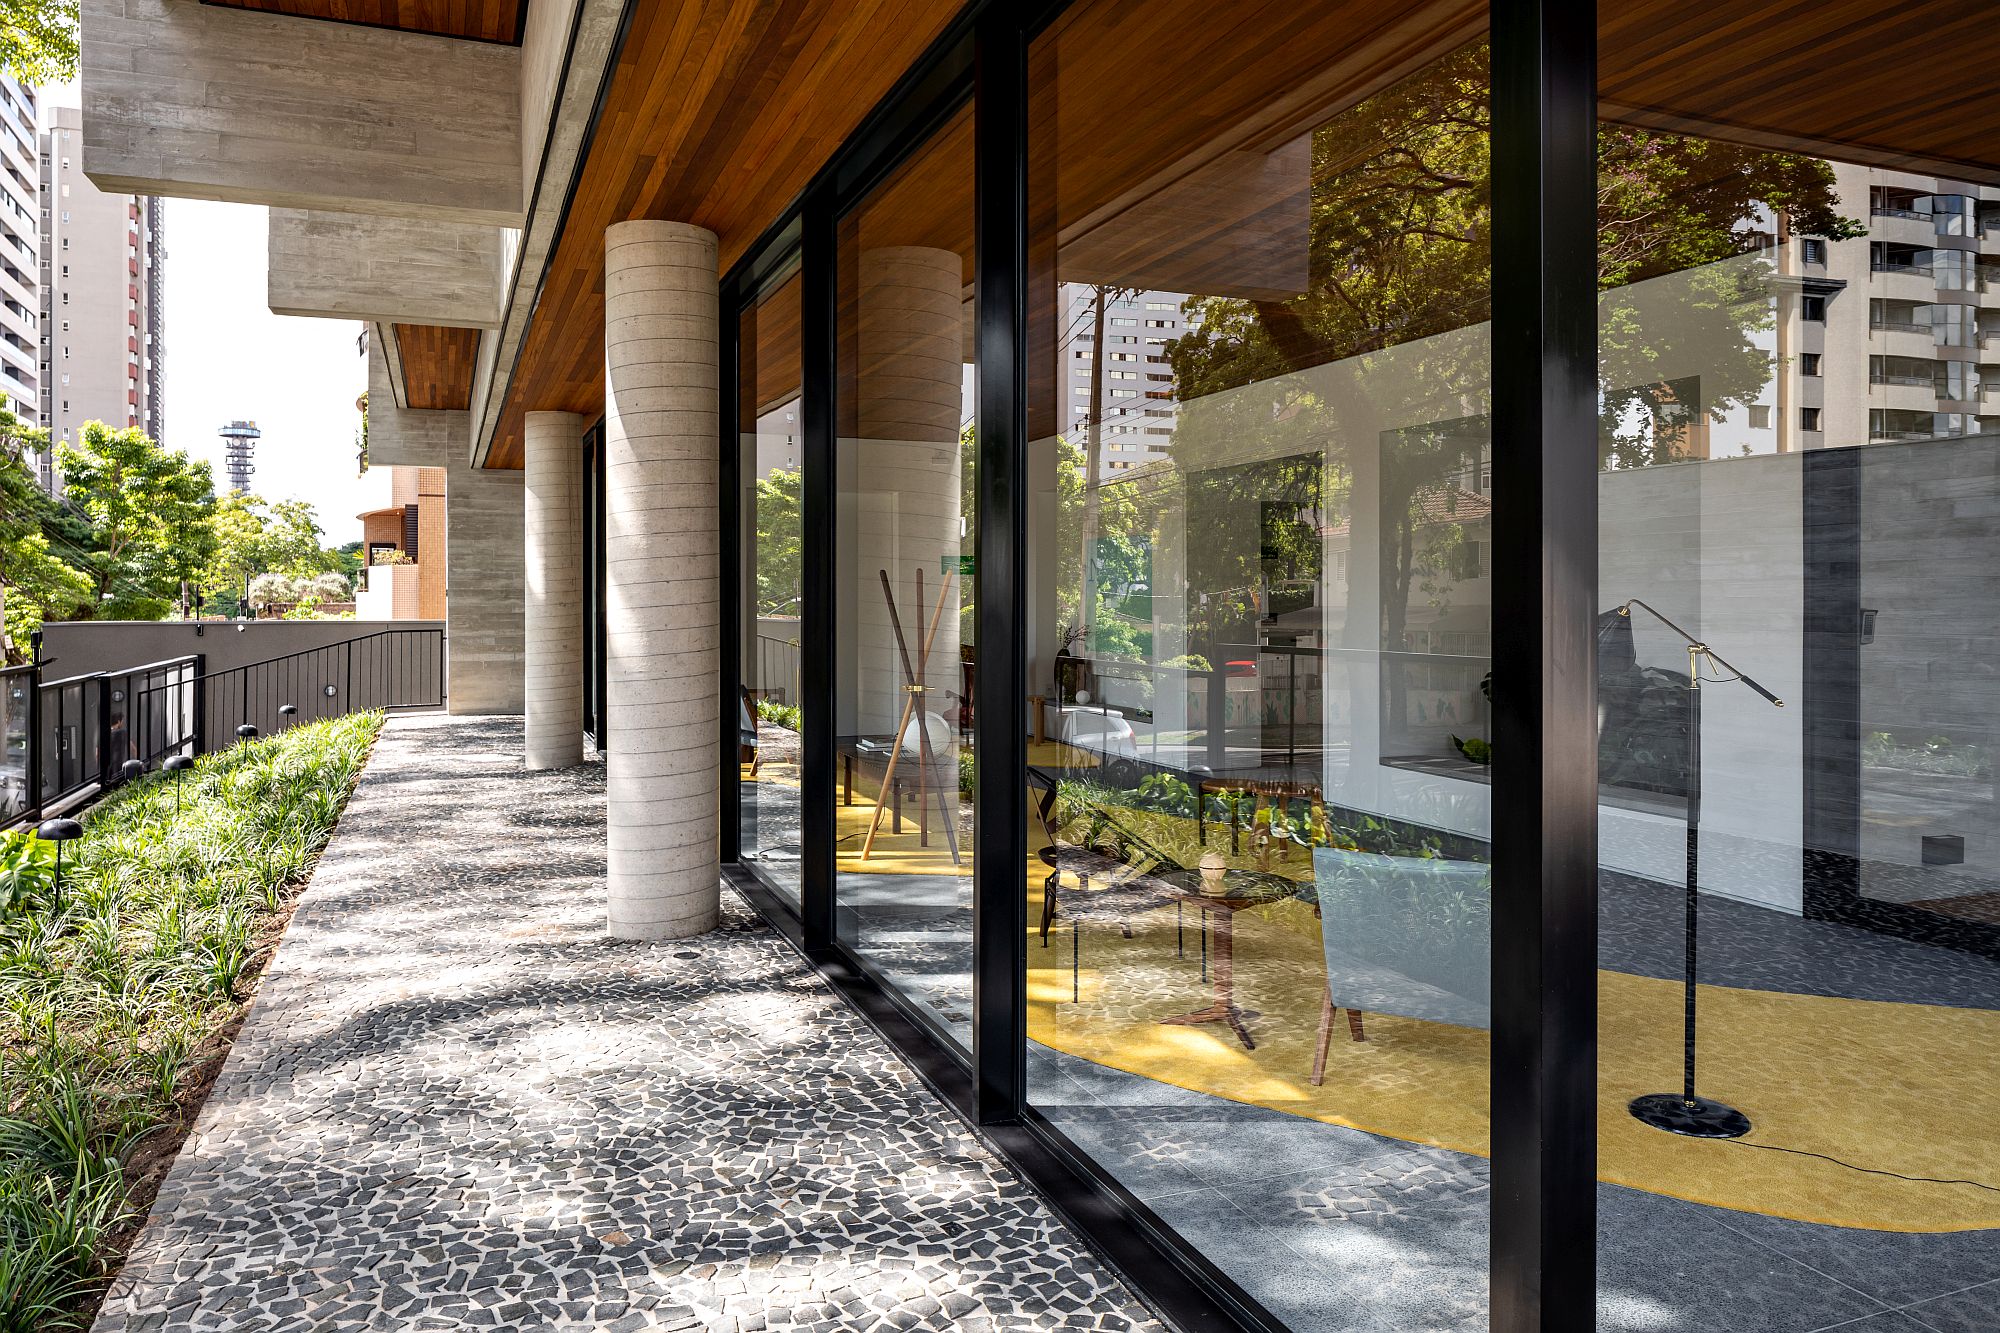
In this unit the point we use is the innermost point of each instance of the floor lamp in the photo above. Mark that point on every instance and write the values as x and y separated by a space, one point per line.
1686 1112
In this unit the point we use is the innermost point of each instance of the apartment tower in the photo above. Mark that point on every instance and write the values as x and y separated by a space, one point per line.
102 295
19 300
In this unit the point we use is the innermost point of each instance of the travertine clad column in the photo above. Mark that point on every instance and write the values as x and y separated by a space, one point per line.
662 599
910 342
553 688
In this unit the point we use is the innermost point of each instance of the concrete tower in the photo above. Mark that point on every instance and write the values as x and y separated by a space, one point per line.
239 440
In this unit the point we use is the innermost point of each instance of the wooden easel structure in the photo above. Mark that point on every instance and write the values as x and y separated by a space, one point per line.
913 692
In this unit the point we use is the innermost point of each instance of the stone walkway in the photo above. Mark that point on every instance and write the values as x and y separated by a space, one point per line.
456 1104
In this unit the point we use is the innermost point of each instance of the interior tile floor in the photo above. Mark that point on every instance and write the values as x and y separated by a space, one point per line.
1332 1228
456 1104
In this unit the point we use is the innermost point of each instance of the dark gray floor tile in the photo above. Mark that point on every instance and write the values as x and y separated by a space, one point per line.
1975 1310
1665 1265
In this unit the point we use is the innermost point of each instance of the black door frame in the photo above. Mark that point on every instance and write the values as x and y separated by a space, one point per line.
1543 1073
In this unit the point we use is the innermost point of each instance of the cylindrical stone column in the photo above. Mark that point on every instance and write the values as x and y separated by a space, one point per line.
662 565
908 398
552 691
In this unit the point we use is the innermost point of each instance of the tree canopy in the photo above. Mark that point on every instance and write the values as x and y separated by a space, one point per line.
38 39
138 529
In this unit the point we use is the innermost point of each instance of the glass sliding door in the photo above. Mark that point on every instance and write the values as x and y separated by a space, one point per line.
1799 905
903 642
771 565
1259 631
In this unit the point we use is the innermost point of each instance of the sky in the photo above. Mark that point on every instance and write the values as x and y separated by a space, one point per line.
229 358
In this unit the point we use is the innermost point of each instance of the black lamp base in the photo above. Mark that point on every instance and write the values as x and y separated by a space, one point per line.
1700 1118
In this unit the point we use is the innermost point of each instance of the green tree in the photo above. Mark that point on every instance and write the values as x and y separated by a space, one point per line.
38 39
254 536
150 514
780 522
37 582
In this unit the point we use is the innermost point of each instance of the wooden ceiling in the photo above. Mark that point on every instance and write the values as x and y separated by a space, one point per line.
438 365
769 349
1868 81
473 20
718 113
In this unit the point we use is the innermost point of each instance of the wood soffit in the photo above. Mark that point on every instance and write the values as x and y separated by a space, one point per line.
719 113
473 20
438 365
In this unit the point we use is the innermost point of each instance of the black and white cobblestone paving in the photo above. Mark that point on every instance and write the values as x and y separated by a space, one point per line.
457 1104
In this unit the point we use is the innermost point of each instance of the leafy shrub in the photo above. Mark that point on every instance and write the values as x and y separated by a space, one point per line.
27 868
106 995
779 715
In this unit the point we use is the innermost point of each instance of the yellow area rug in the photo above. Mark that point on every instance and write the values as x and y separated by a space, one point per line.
1909 1089
1887 1090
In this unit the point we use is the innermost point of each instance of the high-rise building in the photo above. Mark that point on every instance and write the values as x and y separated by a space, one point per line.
19 298
1133 380
102 303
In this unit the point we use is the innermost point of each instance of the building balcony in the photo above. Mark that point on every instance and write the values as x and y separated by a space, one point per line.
1905 282
1901 224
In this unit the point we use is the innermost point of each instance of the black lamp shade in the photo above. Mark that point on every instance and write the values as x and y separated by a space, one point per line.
288 709
246 731
58 830
132 769
176 763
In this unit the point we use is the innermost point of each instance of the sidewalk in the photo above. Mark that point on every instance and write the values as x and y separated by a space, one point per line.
456 1104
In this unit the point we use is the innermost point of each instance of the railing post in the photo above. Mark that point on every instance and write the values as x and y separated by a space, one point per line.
1218 704
199 703
35 725
347 691
104 729
243 713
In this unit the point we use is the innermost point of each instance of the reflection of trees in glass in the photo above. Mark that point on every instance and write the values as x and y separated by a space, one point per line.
778 530
1399 252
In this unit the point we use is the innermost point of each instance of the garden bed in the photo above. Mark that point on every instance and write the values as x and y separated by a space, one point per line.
121 992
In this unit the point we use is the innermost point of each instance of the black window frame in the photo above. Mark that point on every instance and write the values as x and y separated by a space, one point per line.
1543 552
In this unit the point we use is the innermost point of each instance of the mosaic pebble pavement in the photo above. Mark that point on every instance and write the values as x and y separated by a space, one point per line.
456 1104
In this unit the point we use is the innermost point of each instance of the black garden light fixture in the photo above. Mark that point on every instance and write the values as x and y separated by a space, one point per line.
177 765
132 770
246 732
58 831
288 710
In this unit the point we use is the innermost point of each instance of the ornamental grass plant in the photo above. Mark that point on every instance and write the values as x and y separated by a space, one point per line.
118 994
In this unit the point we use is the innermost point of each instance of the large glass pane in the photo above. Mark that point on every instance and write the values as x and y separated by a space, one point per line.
903 581
1799 1030
769 516
1260 587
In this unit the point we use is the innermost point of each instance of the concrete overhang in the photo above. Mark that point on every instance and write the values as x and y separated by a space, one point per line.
393 270
406 436
195 101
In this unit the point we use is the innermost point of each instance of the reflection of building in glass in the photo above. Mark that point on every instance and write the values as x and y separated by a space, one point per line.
1129 374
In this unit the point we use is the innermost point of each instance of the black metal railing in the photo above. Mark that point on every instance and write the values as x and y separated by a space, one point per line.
61 738
389 669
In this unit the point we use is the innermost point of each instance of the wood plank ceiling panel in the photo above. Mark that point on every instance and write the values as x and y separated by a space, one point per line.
718 113
1904 85
438 365
474 20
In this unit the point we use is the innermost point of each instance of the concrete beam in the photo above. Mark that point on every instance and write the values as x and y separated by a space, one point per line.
566 60
484 546
200 102
395 270
399 435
